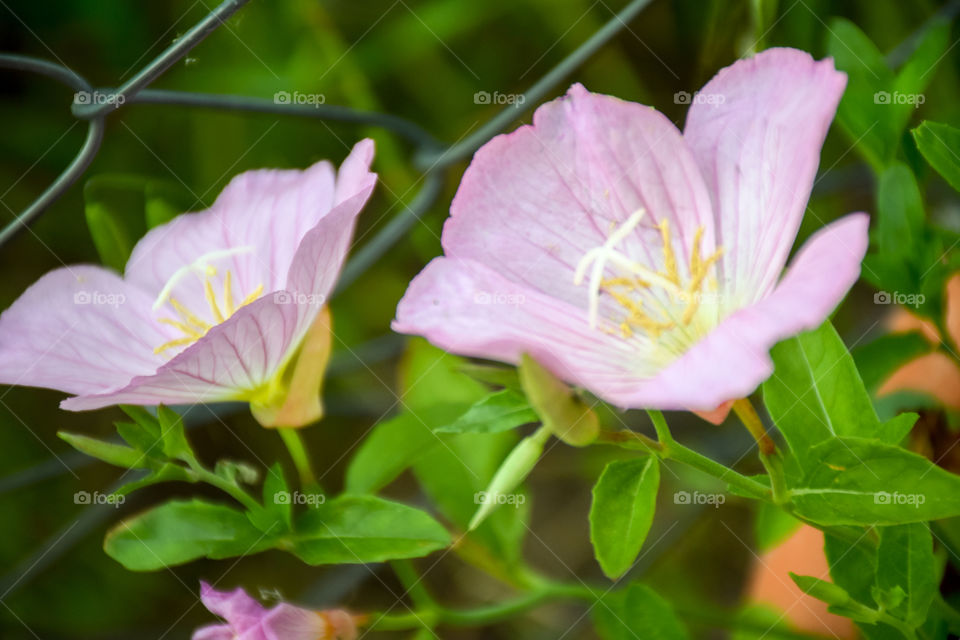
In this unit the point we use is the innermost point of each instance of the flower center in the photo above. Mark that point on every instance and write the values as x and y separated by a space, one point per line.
191 324
638 289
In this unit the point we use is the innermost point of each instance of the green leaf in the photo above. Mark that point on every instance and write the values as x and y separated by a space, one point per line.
277 504
900 213
361 529
624 501
394 445
503 487
815 393
499 411
165 472
147 421
637 612
498 376
939 143
905 561
116 454
175 443
867 119
856 481
140 439
180 531
773 525
113 206
453 476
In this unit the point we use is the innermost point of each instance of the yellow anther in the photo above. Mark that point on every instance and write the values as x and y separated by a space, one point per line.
212 301
187 329
227 294
629 288
174 343
190 324
188 316
669 259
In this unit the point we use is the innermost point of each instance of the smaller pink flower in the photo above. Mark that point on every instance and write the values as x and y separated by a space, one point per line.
212 306
247 619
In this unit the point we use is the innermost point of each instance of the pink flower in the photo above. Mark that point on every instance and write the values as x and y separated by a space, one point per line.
212 305
247 619
638 262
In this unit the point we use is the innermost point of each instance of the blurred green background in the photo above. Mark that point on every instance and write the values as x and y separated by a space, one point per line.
420 59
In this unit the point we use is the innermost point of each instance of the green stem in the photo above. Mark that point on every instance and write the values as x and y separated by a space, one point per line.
669 449
413 583
233 490
294 442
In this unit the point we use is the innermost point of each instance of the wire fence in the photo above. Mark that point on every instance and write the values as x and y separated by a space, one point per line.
429 157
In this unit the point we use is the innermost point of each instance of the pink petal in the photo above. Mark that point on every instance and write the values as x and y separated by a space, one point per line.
287 622
534 201
256 224
214 632
759 149
734 358
236 607
467 308
231 362
80 329
240 356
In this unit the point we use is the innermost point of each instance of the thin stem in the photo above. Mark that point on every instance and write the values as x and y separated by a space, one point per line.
233 490
769 455
748 416
675 451
413 583
294 442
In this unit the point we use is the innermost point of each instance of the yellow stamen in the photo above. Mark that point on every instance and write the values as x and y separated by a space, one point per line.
187 329
227 294
669 259
188 316
174 343
253 296
212 301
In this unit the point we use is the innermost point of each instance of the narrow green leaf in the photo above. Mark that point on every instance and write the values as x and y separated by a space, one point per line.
900 214
940 145
277 512
175 443
512 472
499 411
624 501
116 454
361 529
180 531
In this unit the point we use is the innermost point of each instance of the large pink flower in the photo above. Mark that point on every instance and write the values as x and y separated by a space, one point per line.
247 619
212 305
639 262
